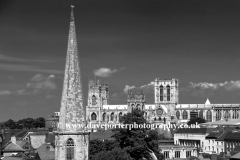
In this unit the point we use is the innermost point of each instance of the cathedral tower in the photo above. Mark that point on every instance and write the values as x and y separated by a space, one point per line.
166 96
72 140
98 95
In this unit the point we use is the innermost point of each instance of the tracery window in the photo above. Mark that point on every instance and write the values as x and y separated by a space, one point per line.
178 115
209 116
104 117
94 100
161 93
200 115
185 114
112 116
93 116
168 93
70 149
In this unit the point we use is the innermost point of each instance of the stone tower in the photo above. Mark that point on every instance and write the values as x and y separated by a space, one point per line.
136 99
166 95
72 139
98 95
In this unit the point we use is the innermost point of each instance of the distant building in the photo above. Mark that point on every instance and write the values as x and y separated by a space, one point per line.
52 120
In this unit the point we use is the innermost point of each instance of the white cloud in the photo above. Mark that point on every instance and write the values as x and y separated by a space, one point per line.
127 87
147 88
228 85
4 92
39 84
105 72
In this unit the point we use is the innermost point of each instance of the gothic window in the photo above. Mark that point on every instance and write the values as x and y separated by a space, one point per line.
161 93
120 116
193 114
209 116
218 114
200 114
112 116
93 116
94 100
138 107
168 93
185 114
70 149
237 114
104 117
178 115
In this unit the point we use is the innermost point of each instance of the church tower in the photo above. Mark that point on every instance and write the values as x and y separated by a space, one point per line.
72 139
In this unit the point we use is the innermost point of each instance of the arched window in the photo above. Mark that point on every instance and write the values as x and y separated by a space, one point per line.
218 114
70 149
120 116
138 106
185 114
168 93
93 116
94 100
200 115
104 117
237 114
209 116
178 115
112 116
161 93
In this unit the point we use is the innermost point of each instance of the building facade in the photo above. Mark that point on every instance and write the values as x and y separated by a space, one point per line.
166 107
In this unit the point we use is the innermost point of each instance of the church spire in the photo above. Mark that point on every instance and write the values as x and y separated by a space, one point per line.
71 111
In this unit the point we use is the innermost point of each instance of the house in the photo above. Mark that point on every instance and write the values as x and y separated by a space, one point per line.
11 148
45 152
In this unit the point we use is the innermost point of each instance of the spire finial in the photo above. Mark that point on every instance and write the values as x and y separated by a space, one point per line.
72 17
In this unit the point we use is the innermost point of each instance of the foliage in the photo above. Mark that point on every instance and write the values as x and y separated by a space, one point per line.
197 120
129 143
24 123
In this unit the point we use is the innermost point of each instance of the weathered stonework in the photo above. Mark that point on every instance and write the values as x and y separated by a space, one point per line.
72 111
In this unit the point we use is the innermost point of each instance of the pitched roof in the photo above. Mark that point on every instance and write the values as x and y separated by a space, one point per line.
214 135
11 147
207 102
21 143
195 130
232 135
12 158
46 152
236 156
221 137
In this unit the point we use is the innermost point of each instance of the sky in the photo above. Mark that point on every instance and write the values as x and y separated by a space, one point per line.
127 43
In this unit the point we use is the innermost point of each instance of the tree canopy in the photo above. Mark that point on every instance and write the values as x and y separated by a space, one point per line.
24 123
129 143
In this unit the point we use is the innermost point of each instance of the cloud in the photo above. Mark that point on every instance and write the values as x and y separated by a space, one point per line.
127 87
228 85
17 59
27 68
39 84
105 72
4 92
148 88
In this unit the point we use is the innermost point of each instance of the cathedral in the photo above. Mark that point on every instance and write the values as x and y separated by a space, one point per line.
73 142
165 109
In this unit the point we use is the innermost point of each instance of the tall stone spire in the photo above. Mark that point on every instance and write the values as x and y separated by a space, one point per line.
72 111
72 141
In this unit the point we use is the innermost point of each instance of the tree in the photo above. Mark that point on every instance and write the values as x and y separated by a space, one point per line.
197 120
137 141
129 143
